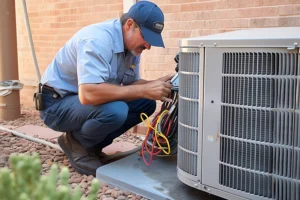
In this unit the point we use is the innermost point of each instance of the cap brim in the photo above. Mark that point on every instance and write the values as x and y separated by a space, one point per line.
152 37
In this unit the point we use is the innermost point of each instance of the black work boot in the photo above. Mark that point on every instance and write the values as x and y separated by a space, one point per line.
82 160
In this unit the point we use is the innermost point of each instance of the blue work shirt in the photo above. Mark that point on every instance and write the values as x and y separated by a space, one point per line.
95 54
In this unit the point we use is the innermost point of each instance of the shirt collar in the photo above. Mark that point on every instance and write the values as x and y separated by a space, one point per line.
118 42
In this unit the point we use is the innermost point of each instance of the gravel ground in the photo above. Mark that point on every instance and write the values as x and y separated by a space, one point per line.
12 144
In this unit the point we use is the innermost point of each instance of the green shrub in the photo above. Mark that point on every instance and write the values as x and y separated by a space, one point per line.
23 181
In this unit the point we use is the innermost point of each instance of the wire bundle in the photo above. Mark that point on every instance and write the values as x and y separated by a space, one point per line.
161 136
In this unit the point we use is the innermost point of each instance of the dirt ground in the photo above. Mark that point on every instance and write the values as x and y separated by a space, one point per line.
12 144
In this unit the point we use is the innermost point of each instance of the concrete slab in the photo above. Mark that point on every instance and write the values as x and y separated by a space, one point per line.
158 181
38 131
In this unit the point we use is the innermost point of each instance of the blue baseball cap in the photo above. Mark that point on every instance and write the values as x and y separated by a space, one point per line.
150 19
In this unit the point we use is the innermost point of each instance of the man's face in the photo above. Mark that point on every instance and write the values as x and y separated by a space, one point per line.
133 38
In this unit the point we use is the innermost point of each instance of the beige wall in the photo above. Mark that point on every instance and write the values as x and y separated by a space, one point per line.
54 21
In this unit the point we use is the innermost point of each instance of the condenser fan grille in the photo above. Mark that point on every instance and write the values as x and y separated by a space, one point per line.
260 117
189 112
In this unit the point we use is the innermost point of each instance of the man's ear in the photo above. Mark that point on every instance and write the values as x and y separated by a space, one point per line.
129 24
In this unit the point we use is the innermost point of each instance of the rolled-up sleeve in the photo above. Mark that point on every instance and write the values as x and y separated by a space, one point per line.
93 58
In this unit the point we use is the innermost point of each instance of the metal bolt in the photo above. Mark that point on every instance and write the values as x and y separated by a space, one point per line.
206 188
197 184
215 44
201 44
295 44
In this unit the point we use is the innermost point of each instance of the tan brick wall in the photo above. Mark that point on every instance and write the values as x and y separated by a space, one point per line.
54 21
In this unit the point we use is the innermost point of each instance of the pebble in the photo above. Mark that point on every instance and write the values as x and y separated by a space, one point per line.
121 198
39 147
127 193
109 191
72 169
104 189
115 194
33 149
102 197
23 150
59 154
6 145
53 151
5 139
90 178
77 180
84 185
43 152
108 198
49 162
45 165
66 163
58 158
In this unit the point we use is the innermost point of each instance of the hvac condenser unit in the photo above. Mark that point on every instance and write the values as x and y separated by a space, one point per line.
239 114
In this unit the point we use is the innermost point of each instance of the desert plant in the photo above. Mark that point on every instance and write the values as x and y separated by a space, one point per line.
24 181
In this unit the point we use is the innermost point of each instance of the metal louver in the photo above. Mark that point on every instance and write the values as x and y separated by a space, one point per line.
260 117
189 109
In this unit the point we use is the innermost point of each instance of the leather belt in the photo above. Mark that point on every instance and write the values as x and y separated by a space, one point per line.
55 94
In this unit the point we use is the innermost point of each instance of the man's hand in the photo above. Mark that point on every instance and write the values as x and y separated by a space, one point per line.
167 78
158 90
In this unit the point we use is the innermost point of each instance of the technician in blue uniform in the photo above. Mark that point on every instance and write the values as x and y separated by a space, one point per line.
92 89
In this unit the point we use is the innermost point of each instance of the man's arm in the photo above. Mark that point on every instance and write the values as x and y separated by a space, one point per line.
140 82
95 94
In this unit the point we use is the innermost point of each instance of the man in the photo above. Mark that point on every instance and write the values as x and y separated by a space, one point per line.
92 89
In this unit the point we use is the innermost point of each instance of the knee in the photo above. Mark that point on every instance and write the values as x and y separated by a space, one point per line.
117 113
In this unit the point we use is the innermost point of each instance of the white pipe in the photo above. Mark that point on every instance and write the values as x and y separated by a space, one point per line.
127 4
30 41
54 146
